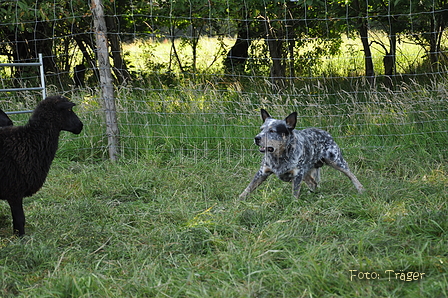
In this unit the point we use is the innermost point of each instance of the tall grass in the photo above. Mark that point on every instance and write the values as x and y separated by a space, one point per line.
212 122
175 228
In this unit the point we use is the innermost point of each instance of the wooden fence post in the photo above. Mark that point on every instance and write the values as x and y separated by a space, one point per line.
105 74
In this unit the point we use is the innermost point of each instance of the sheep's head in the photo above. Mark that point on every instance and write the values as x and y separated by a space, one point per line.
57 111
4 119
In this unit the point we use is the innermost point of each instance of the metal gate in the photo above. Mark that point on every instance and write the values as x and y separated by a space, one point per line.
42 81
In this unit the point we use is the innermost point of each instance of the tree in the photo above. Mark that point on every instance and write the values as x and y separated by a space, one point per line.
393 22
428 23
54 30
358 15
283 24
114 11
423 21
31 31
189 21
238 54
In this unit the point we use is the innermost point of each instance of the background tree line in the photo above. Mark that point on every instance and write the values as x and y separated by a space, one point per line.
53 27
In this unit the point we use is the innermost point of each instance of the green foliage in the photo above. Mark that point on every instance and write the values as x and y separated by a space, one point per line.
300 34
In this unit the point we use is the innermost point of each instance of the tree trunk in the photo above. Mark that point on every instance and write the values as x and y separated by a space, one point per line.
368 62
274 40
81 43
363 33
291 46
106 79
389 57
278 72
120 68
173 52
437 27
195 35
237 56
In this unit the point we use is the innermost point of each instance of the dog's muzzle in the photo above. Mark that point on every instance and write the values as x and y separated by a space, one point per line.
263 149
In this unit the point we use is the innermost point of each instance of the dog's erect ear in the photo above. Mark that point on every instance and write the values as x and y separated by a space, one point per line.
264 115
291 120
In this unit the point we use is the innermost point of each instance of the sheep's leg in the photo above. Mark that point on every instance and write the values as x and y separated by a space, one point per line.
18 216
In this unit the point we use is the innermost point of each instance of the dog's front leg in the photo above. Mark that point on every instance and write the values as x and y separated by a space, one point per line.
260 176
296 183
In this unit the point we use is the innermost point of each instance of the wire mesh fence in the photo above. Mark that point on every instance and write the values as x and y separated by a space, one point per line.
190 77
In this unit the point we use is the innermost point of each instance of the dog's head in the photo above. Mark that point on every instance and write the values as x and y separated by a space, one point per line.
275 134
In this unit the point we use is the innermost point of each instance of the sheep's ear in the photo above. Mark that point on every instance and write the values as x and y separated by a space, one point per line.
65 105
264 115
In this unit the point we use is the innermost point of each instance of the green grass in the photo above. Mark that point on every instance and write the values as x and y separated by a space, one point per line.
176 229
165 221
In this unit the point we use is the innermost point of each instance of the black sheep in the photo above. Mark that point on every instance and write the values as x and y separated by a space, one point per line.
26 153
4 119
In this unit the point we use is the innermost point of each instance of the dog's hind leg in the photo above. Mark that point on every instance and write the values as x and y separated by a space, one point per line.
312 178
260 176
342 166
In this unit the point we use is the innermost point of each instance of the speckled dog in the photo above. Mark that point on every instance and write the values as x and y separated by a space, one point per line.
295 155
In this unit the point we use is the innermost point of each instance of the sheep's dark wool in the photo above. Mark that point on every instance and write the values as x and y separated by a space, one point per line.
4 119
26 152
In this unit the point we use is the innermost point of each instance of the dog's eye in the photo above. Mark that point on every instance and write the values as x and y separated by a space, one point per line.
271 130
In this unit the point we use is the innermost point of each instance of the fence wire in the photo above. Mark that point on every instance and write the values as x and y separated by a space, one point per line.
190 78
